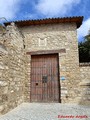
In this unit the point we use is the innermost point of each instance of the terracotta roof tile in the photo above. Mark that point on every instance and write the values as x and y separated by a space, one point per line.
78 20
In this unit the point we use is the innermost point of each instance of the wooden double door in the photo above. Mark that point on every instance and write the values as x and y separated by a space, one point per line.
45 78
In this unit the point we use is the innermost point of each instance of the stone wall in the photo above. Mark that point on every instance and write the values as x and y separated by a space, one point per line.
55 37
12 68
15 64
84 84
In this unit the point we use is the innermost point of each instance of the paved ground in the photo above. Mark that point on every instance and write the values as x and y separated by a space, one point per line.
46 111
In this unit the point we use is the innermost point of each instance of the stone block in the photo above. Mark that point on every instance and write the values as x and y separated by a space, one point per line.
3 83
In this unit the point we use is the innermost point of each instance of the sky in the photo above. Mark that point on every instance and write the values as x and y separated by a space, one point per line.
13 10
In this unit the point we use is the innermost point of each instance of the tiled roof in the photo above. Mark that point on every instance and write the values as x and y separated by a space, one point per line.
78 20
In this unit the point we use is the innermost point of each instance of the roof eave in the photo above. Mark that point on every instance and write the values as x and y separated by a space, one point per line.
77 20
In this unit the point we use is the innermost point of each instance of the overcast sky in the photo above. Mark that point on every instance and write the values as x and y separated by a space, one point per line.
38 9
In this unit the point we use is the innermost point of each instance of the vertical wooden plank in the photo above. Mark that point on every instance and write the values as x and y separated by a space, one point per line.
44 65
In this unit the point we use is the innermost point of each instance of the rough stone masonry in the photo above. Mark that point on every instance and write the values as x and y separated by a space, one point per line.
17 39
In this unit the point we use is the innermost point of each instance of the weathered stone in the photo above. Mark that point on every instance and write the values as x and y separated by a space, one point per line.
3 83
3 49
12 63
15 64
1 108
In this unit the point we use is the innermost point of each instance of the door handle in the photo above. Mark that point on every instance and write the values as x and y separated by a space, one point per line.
44 79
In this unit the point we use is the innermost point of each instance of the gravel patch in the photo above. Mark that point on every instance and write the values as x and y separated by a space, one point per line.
48 111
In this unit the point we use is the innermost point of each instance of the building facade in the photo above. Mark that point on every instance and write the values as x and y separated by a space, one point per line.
40 63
